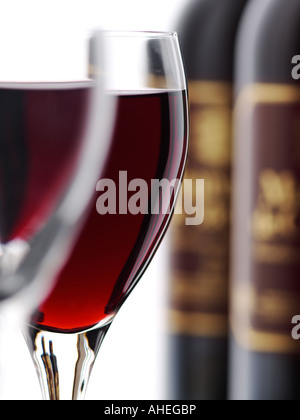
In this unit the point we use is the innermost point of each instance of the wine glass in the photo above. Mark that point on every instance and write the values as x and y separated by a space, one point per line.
54 136
129 214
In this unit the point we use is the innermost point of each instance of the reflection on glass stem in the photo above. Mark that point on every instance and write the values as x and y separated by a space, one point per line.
47 357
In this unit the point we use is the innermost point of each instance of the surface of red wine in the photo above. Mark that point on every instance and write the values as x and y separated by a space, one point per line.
41 130
111 253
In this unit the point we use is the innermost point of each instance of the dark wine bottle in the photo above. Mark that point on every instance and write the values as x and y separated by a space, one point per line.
265 358
200 254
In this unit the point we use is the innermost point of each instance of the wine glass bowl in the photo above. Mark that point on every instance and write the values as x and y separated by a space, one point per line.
48 127
131 208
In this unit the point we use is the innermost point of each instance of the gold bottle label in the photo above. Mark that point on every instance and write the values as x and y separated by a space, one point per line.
266 251
199 283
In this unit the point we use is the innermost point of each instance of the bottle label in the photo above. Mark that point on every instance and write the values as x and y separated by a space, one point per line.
266 263
199 287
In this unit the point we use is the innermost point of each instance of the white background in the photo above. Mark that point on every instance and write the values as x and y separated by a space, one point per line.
132 363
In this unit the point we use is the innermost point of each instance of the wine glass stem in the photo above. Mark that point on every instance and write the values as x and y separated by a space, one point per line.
64 362
11 317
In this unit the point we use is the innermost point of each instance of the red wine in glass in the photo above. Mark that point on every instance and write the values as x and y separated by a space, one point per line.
41 131
42 136
113 250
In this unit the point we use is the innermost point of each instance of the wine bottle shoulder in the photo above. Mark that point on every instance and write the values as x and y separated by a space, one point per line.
207 33
269 38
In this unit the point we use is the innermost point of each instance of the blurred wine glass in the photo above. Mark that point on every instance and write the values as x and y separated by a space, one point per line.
55 122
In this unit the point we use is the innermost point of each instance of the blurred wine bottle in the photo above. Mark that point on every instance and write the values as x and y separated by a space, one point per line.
265 358
200 254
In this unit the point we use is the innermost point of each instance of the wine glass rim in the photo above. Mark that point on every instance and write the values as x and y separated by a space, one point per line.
136 33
